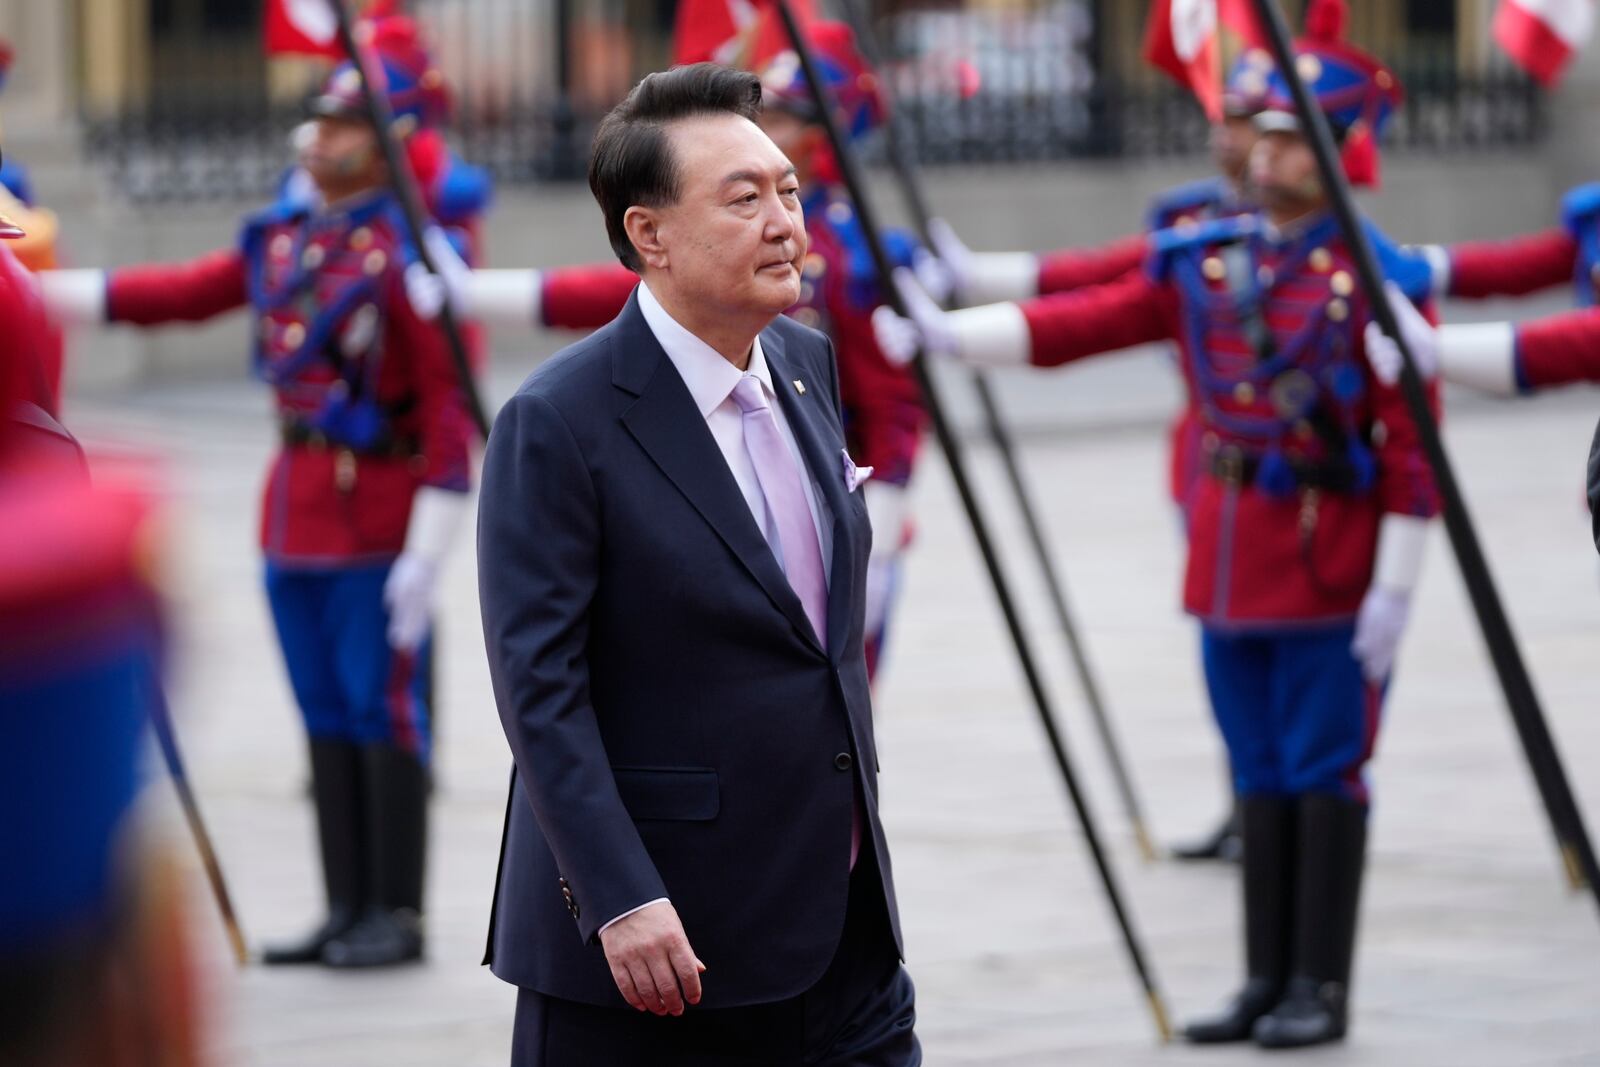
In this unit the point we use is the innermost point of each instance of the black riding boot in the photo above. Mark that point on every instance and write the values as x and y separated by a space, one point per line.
1333 842
1268 831
390 928
336 791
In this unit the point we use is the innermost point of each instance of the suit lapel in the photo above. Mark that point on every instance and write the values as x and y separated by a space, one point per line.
821 450
669 427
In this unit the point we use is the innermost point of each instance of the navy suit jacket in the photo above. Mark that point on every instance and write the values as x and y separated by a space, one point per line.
677 728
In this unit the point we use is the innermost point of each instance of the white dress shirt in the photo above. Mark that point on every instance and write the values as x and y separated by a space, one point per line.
711 380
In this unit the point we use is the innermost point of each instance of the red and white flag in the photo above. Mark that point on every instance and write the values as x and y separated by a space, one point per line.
1543 35
741 33
1183 39
310 28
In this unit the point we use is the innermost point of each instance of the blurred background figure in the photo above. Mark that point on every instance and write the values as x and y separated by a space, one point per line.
366 493
95 952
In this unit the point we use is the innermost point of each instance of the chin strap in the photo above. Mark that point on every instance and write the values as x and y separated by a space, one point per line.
1482 355
74 296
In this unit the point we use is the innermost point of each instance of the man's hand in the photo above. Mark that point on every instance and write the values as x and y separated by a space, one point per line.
1420 336
651 961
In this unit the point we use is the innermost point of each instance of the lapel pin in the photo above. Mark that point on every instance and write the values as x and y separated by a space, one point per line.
800 387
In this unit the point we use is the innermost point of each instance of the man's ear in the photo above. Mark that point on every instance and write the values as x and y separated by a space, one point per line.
643 228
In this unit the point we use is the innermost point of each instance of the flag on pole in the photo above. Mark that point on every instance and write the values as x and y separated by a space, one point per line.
739 33
310 28
1543 35
1183 39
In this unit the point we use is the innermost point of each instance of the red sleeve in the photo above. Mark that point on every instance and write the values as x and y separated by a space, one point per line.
1074 268
1132 310
585 298
1514 267
882 403
151 294
1405 478
444 427
1559 350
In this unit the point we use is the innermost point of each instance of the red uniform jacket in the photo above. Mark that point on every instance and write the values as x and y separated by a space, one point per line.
1266 551
1569 253
366 390
1559 350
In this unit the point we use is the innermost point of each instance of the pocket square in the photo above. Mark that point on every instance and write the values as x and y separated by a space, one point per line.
854 476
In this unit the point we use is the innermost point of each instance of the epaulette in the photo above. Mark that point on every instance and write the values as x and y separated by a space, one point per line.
1406 266
462 192
281 211
861 272
1190 198
1168 245
1579 208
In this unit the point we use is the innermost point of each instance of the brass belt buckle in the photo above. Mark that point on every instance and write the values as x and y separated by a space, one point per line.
1229 465
344 470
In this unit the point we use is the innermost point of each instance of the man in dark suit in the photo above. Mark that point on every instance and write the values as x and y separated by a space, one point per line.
672 553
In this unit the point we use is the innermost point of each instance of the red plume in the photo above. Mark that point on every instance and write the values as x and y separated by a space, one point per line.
1326 20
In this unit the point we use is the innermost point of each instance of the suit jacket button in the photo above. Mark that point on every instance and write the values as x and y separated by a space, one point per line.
843 761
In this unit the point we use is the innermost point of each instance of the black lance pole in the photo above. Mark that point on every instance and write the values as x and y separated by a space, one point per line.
851 171
405 188
167 741
916 199
1523 702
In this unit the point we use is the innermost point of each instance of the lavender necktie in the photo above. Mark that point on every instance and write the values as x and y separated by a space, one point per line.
780 476
792 526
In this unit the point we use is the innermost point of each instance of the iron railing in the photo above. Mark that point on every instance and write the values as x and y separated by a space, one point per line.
987 85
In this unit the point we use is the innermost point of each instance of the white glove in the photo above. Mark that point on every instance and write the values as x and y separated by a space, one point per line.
1387 606
934 275
980 277
953 254
993 335
1438 257
408 591
428 291
1379 624
1420 336
73 296
887 506
924 327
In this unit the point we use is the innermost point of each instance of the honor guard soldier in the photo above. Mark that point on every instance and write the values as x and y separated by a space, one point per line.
978 278
94 953
1306 534
363 499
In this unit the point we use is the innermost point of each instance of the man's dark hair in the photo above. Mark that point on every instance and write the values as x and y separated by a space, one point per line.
633 163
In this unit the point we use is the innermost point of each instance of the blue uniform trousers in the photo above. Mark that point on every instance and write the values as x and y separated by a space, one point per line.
350 685
1294 709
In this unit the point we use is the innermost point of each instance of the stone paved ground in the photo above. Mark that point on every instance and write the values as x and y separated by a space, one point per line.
1473 951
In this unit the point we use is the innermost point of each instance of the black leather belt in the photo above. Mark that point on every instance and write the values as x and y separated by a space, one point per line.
1234 466
295 433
